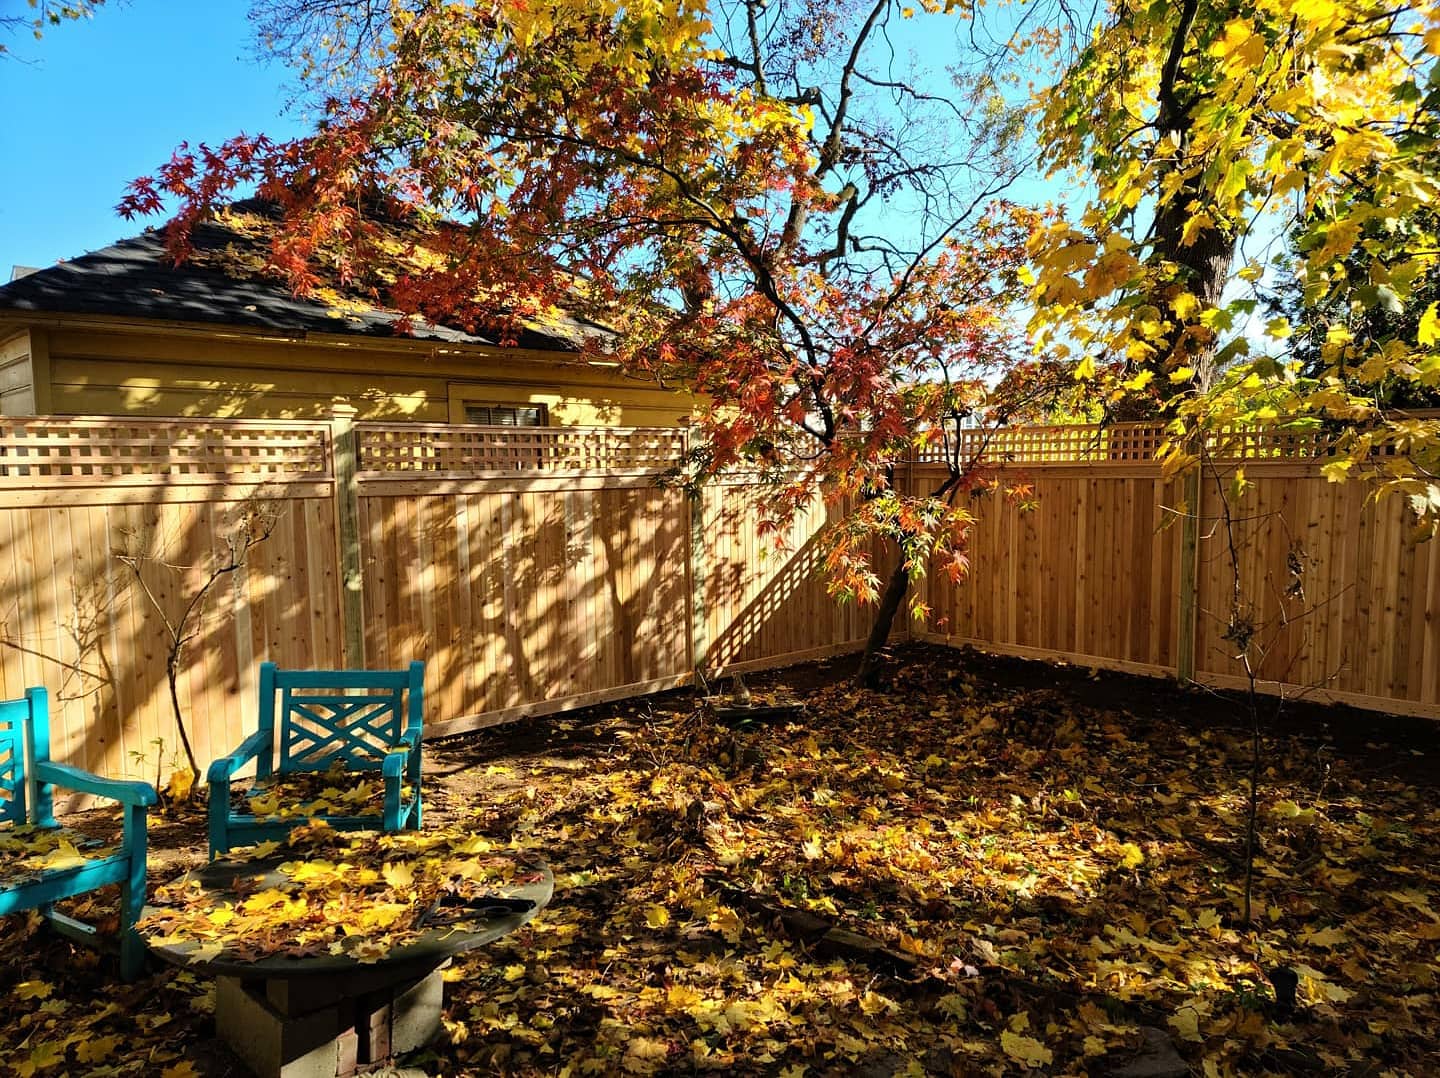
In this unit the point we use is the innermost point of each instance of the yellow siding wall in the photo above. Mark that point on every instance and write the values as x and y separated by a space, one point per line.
17 393
95 372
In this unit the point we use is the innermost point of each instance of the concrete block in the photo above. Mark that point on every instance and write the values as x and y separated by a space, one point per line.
272 1044
416 1013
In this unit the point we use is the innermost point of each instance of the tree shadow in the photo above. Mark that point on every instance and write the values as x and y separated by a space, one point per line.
523 596
76 619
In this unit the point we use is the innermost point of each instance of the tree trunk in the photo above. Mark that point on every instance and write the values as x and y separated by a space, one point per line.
895 590
897 587
1204 267
172 673
1203 263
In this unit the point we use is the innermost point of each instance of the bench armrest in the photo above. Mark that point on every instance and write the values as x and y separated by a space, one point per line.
412 735
393 765
223 768
72 778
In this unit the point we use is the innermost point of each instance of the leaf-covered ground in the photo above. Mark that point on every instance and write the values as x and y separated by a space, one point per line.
983 868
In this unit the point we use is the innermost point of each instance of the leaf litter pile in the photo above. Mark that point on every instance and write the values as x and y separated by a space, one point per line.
303 794
956 874
27 852
355 894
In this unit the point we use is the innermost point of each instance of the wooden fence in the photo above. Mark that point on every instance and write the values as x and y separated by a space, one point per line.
77 493
548 569
533 570
539 570
1096 565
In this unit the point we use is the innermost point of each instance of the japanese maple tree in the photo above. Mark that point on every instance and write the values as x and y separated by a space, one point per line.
765 200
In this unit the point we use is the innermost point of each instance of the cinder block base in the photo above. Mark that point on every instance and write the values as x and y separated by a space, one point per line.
274 1045
415 1014
299 1029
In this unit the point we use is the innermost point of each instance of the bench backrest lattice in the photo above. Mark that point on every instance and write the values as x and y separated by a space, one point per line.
324 722
438 449
322 729
62 450
13 716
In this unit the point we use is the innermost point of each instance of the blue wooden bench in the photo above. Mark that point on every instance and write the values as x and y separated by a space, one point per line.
366 723
36 868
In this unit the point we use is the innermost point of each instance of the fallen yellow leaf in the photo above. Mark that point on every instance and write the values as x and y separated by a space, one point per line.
1026 1050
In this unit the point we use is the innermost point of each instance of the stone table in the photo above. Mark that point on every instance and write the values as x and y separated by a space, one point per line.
330 1015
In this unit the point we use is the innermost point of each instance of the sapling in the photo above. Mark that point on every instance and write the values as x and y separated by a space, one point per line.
255 522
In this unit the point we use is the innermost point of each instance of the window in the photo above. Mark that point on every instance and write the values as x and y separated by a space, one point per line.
507 415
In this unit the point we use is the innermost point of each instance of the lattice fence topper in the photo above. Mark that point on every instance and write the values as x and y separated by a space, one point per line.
145 451
441 449
1093 443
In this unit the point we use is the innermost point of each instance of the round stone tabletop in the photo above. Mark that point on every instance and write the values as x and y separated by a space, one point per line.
458 927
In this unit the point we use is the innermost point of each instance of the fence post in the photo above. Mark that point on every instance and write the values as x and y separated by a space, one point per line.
909 488
1189 583
697 646
347 512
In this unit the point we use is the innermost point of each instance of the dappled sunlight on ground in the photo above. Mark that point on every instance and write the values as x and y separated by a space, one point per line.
956 874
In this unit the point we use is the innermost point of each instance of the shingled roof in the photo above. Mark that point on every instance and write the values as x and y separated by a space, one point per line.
223 283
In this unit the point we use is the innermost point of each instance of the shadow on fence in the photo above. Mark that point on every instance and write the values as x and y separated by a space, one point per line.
533 591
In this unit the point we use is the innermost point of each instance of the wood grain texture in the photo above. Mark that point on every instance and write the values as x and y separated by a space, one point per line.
585 579
74 619
1346 607
518 597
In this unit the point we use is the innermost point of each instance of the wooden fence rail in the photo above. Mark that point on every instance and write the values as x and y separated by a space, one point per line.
542 570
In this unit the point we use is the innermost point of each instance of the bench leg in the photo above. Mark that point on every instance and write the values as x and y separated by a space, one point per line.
219 818
132 955
132 896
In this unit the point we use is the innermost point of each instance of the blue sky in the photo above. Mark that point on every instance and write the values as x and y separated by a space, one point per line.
98 102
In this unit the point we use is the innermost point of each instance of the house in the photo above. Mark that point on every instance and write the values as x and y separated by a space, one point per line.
123 331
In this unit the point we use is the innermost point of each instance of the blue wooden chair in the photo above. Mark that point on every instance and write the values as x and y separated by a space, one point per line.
365 722
28 778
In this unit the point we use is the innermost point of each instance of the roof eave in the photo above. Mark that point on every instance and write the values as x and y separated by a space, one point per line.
22 319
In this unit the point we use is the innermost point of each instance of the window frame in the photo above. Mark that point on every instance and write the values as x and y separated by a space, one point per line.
540 411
